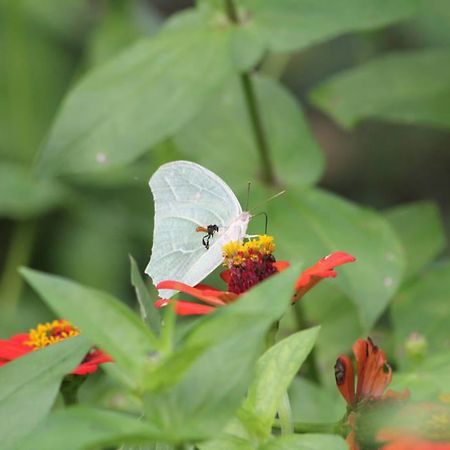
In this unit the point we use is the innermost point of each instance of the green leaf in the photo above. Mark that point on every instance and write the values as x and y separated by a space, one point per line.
311 224
274 373
418 90
22 196
421 231
79 428
424 308
105 320
34 379
149 314
295 24
222 134
203 401
122 108
313 403
306 442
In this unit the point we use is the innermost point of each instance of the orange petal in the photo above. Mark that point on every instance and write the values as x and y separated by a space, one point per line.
197 293
345 378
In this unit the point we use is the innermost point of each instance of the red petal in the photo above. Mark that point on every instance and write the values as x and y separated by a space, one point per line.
93 360
14 348
226 275
281 265
324 268
190 308
197 293
345 378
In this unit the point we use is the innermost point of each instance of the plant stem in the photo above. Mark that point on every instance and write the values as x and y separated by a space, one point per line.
18 255
254 112
69 388
305 427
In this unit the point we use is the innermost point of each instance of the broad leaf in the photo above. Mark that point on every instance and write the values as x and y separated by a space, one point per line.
424 308
295 24
213 387
105 320
274 373
408 87
151 90
313 223
23 196
79 428
222 134
306 442
421 231
33 380
149 314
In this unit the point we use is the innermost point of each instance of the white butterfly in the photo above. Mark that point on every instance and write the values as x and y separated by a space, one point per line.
188 196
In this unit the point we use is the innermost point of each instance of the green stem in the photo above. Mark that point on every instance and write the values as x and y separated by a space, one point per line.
338 427
19 253
254 112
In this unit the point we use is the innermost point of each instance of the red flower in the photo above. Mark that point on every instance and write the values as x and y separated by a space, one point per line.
249 264
48 334
374 375
415 443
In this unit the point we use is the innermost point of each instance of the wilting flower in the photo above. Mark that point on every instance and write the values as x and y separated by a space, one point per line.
48 334
423 426
373 374
248 264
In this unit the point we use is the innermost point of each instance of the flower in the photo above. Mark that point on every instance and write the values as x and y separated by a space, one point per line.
48 334
373 375
248 264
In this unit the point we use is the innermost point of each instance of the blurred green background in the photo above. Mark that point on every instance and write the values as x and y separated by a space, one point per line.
83 226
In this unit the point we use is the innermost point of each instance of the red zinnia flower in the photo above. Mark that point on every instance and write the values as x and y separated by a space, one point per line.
248 264
374 375
48 334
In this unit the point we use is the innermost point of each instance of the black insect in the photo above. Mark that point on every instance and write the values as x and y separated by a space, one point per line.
210 230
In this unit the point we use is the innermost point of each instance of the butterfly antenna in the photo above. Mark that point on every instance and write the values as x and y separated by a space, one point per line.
266 221
248 195
271 198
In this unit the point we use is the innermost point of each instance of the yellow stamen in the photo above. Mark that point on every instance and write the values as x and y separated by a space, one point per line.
236 253
50 333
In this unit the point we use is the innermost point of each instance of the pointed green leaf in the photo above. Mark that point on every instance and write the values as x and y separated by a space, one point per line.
80 428
149 314
102 318
311 224
151 90
213 387
33 380
419 90
274 373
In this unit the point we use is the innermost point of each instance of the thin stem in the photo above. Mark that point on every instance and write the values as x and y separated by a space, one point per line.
338 427
69 388
19 253
254 112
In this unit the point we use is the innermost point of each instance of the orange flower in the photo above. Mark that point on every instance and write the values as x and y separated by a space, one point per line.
248 264
48 334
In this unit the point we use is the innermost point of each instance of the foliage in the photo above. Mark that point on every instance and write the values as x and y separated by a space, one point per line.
94 98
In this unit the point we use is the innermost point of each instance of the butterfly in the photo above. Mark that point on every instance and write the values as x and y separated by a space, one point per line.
189 198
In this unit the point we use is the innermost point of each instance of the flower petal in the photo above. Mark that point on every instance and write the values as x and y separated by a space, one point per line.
324 268
281 265
14 348
345 378
195 292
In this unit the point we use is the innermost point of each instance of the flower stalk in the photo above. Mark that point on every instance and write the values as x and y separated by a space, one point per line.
254 112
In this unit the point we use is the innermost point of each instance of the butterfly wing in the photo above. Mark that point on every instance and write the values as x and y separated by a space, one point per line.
188 196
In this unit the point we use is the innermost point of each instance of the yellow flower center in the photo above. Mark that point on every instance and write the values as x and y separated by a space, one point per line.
50 333
236 253
438 425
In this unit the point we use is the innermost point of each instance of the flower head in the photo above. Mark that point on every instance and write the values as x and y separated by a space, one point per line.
48 334
248 264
